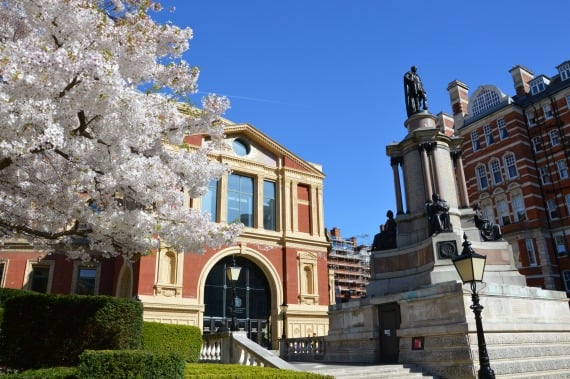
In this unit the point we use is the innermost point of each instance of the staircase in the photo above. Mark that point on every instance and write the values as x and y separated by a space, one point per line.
340 371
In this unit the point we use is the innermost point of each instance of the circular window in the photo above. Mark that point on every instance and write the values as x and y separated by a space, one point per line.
240 147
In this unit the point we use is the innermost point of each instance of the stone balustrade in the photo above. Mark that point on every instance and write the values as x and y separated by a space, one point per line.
308 349
235 347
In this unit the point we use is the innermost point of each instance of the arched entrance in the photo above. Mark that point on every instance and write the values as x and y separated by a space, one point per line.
252 305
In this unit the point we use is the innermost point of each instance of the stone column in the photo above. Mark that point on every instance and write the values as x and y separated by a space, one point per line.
395 162
460 175
431 149
426 170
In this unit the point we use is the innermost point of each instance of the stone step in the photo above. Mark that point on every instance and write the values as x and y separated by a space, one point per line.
340 371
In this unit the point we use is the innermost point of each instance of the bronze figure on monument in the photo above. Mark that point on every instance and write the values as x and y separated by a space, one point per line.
416 97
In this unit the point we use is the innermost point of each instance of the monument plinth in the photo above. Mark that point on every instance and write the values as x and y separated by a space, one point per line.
417 311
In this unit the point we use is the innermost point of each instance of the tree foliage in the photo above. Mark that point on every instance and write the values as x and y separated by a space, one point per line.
92 158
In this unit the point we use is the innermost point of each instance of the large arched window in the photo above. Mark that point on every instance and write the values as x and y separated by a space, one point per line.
484 99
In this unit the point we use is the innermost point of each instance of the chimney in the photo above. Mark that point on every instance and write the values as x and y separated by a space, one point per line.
459 98
353 239
521 77
335 232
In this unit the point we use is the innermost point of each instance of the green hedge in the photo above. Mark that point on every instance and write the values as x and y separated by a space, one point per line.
123 364
183 340
234 371
45 373
41 331
8 293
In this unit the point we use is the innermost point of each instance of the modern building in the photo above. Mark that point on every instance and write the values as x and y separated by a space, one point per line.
349 263
282 252
516 162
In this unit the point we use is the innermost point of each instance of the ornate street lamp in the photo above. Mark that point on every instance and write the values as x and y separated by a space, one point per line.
470 266
284 307
232 272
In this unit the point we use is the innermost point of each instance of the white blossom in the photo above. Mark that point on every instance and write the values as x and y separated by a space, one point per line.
91 161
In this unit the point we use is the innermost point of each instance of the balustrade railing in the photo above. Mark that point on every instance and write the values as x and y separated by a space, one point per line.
308 349
235 347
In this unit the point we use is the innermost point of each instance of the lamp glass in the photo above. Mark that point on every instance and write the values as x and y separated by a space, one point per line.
232 273
470 267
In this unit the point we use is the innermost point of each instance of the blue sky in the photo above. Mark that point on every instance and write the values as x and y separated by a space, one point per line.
324 78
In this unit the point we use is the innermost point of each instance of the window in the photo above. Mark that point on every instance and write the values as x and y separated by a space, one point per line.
554 138
2 269
488 212
240 199
518 207
488 135
536 144
475 141
510 164
86 278
496 171
567 199
552 208
568 101
40 278
547 111
544 175
562 169
240 147
530 118
566 275
502 125
538 84
482 177
560 240
564 71
210 200
486 99
530 252
269 209
503 210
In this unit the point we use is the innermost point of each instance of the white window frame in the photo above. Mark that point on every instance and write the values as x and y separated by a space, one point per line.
519 209
489 140
544 175
496 172
475 141
503 212
502 127
564 71
547 111
562 169
560 241
530 252
511 165
567 200
537 144
554 137
530 117
481 171
568 101
30 264
552 208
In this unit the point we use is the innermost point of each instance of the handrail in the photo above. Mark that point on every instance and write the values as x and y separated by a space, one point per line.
235 347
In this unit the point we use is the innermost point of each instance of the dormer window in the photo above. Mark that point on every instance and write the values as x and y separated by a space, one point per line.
485 99
564 70
537 85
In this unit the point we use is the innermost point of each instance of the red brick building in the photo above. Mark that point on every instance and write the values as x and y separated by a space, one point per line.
282 252
516 162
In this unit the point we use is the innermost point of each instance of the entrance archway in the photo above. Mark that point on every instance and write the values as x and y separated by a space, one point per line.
252 305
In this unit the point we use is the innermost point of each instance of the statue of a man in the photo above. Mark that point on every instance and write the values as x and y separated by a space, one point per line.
489 230
438 215
386 239
416 97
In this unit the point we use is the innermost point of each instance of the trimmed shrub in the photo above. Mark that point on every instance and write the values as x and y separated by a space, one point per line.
8 293
183 340
234 371
55 329
120 364
45 373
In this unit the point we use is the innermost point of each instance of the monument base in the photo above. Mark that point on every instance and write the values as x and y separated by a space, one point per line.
527 330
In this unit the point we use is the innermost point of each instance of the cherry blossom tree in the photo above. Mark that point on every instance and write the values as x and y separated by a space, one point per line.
92 128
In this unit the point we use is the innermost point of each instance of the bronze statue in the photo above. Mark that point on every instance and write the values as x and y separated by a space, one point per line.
437 211
416 97
489 230
386 239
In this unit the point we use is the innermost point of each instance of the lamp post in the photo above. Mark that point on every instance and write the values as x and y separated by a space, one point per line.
232 273
471 266
284 307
